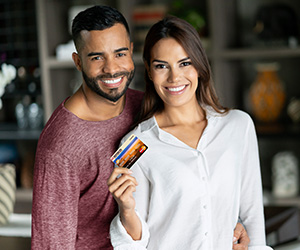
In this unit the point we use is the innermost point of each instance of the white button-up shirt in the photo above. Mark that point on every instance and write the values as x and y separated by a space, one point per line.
192 198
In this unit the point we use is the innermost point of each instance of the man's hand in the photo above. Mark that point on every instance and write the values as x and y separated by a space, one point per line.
240 238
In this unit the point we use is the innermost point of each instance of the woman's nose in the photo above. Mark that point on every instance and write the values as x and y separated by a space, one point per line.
174 76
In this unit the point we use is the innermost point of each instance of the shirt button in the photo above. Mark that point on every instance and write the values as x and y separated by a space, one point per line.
203 178
206 234
204 206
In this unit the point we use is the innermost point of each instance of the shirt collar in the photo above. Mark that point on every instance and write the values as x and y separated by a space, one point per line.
211 116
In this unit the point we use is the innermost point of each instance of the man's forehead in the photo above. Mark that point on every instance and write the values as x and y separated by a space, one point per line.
105 41
117 31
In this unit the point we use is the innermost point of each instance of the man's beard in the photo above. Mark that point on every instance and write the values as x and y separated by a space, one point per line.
113 94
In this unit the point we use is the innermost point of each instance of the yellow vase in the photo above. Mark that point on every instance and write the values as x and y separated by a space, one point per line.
267 95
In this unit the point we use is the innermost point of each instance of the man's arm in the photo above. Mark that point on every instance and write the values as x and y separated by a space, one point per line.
55 203
240 238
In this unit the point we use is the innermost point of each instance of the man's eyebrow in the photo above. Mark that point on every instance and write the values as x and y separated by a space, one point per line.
95 54
121 49
101 53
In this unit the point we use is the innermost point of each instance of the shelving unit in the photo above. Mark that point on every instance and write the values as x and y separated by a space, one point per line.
232 60
19 47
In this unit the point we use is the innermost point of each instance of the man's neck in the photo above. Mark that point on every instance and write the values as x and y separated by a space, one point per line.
92 107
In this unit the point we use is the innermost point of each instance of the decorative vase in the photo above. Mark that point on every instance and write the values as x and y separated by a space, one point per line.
267 94
285 175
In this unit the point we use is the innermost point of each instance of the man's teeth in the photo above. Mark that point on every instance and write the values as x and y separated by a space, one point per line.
112 81
177 89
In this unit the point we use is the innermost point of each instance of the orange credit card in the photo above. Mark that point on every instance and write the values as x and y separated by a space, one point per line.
129 152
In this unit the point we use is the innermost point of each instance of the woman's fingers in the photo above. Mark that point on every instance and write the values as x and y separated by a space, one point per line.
121 185
116 172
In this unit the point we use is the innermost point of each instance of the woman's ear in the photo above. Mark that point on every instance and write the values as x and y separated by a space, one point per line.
76 60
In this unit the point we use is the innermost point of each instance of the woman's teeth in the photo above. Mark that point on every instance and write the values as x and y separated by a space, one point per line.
112 81
176 89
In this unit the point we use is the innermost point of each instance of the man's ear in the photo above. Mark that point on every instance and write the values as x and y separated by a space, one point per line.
77 61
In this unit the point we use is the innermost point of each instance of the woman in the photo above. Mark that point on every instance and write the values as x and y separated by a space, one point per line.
201 171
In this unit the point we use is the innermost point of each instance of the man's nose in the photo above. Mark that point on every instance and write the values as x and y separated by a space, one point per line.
111 66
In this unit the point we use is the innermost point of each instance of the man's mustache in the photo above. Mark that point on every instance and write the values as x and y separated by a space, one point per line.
103 76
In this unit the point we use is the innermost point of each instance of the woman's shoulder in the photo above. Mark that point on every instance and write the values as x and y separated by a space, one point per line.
239 114
239 118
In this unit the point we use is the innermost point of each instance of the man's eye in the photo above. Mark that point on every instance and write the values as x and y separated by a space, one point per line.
95 58
121 54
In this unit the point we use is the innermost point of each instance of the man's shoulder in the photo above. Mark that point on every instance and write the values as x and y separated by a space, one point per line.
134 94
60 126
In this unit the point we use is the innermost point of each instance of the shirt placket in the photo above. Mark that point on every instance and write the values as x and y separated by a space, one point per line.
205 204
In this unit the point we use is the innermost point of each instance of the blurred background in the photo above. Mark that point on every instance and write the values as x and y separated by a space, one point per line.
253 48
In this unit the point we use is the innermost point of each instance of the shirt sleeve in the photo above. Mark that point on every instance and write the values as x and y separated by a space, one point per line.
120 239
55 202
251 206
259 248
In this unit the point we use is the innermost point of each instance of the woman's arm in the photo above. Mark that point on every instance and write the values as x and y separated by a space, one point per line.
251 200
122 185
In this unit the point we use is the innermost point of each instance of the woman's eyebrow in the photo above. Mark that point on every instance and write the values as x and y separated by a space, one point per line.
159 61
184 59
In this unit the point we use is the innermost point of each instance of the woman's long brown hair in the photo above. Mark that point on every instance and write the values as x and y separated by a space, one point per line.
186 35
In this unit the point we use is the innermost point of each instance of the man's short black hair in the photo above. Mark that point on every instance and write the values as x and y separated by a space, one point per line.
98 17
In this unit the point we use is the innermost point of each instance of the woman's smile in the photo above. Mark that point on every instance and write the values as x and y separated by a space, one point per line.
176 90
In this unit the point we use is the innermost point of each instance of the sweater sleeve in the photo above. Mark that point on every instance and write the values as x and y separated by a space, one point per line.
56 193
251 207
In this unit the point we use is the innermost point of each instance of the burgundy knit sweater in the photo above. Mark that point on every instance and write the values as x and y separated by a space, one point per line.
72 207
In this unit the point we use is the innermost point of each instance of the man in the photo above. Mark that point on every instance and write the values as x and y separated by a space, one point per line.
72 207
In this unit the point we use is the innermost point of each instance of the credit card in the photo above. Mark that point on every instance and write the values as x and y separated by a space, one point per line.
129 152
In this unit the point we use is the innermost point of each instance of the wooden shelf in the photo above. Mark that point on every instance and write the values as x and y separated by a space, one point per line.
295 201
255 53
9 131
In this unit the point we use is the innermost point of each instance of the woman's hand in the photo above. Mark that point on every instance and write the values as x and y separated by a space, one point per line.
122 185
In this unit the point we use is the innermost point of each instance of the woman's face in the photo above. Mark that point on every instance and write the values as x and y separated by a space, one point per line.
172 72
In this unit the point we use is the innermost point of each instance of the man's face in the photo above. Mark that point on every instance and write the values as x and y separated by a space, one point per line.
106 61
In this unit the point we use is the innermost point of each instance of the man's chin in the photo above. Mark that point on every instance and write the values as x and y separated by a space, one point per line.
114 98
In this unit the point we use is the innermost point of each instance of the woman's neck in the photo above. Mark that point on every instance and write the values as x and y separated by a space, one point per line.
185 115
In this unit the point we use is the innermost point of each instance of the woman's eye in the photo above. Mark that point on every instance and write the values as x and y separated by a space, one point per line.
159 66
186 63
